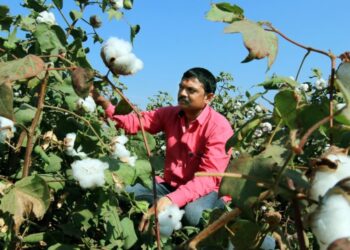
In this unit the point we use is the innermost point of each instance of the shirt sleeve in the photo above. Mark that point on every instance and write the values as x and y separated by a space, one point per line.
151 120
214 160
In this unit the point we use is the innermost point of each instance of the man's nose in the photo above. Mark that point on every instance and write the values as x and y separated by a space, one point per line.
182 92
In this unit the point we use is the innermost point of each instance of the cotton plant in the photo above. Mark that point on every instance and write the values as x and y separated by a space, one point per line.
117 56
69 142
46 17
88 104
326 177
170 219
331 220
121 152
89 172
7 129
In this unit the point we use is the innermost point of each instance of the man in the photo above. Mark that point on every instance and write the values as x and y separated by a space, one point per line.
195 142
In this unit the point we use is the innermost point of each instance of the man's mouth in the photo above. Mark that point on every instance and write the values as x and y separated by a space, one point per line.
183 101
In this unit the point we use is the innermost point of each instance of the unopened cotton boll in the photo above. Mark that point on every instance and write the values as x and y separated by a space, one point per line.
7 129
89 172
170 219
127 65
331 220
88 104
113 49
46 17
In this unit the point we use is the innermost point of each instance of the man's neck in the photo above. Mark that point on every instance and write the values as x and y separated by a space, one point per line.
191 115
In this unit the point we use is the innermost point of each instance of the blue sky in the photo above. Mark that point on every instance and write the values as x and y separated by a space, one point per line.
175 36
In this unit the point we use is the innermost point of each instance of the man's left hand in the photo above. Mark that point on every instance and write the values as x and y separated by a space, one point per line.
162 203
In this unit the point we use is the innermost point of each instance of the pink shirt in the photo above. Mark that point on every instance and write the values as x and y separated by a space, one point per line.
198 148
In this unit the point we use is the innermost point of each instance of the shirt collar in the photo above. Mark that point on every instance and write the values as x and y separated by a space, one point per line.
202 116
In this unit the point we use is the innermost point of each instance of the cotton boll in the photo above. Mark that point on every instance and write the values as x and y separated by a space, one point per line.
113 49
320 84
121 139
258 133
166 230
258 108
6 133
117 4
340 106
89 172
266 127
343 165
120 151
46 17
88 104
126 65
171 215
331 220
69 140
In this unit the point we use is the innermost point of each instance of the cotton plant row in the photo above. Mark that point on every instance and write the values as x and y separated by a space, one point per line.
330 220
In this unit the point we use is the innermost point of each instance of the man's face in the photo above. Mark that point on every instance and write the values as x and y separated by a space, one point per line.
192 96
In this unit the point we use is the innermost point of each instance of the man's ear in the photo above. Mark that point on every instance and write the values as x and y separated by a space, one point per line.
210 97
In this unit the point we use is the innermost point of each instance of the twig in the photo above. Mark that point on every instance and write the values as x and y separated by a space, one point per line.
331 90
81 118
31 133
222 221
298 222
301 64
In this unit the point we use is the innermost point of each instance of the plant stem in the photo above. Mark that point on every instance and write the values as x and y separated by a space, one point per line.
301 64
212 228
31 133
81 118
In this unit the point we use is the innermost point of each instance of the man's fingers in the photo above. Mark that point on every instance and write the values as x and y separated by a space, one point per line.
144 223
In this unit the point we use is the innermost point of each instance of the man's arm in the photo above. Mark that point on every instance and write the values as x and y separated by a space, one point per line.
99 99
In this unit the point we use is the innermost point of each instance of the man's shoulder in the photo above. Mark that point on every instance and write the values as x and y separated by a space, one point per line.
218 118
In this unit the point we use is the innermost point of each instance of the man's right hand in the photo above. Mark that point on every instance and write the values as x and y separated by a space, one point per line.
99 99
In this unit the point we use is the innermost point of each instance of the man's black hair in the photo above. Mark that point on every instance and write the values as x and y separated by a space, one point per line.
204 76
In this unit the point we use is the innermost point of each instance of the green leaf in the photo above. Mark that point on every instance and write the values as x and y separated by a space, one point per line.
23 68
59 246
6 100
259 42
129 234
137 144
114 14
77 52
75 15
285 108
224 12
25 114
58 3
245 234
243 191
123 108
49 38
143 172
54 164
134 30
278 82
310 114
37 5
11 41
5 19
28 196
82 219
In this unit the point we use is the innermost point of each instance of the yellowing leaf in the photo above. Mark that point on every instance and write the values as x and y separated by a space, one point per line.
29 196
22 68
259 42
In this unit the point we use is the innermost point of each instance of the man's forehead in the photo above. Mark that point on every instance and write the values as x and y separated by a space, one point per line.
193 81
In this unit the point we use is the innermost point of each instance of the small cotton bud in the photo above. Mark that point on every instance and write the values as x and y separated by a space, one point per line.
237 105
46 17
95 21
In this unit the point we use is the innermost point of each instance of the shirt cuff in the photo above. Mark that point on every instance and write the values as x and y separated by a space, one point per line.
177 199
109 111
